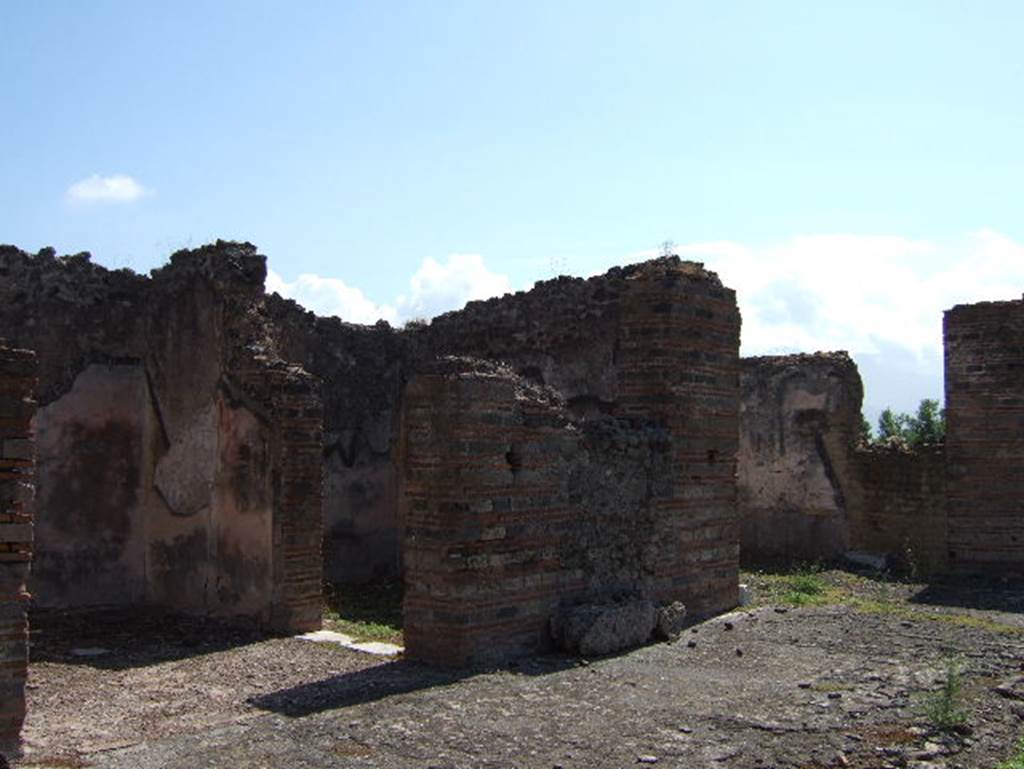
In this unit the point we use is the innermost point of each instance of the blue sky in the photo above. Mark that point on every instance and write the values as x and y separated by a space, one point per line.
851 168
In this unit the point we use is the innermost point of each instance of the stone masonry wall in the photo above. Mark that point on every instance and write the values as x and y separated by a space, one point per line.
651 347
513 510
17 456
984 367
159 480
655 341
808 491
799 420
366 368
903 508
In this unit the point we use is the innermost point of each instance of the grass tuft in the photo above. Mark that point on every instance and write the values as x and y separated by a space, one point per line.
1016 761
370 612
944 708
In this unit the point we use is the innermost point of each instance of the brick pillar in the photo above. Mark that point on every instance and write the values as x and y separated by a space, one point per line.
298 504
17 492
287 399
984 362
678 360
486 515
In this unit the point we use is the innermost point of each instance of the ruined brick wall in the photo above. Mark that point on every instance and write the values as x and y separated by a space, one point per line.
17 455
903 508
984 367
512 510
650 348
289 400
808 491
656 341
366 367
156 480
800 417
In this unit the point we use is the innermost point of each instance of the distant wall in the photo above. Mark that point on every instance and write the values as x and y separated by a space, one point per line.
799 419
984 368
365 368
808 491
903 509
165 434
613 478
17 455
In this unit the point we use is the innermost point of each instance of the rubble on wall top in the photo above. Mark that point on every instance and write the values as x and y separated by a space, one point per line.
223 262
456 366
987 305
831 357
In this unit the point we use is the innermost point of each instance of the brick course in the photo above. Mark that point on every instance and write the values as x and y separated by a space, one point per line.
984 367
17 461
614 478
902 508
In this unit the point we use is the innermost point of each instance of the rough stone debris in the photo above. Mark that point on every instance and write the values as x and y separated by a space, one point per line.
671 618
598 629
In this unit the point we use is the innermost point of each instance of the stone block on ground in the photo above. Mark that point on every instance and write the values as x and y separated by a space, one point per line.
671 621
596 629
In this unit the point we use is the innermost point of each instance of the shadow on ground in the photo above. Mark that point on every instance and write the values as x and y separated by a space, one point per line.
387 680
118 639
974 593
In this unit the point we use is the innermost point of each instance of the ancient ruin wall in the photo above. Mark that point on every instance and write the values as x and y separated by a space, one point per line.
903 508
366 368
514 510
655 341
649 348
799 420
984 367
158 481
17 457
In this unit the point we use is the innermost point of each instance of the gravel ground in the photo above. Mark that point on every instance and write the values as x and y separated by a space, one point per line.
835 685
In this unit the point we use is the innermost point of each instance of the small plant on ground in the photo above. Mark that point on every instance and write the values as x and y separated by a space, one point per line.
804 587
371 612
1016 761
944 708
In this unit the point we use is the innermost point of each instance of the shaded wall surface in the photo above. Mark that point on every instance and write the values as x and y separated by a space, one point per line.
903 510
799 419
17 453
984 368
599 463
808 491
163 434
365 369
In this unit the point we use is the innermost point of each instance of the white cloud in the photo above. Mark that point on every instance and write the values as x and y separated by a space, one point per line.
437 288
859 293
330 296
434 288
117 188
879 297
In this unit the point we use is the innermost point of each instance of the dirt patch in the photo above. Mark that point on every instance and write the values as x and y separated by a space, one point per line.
829 685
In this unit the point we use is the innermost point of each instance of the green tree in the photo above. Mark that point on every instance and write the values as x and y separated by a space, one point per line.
928 426
892 425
